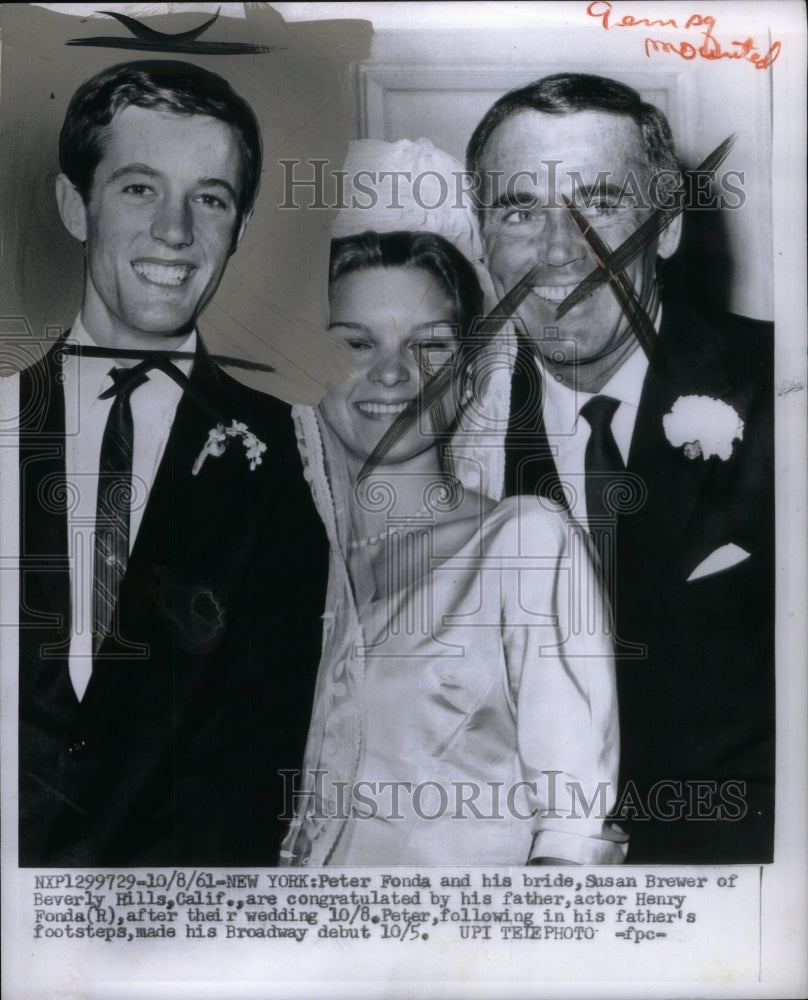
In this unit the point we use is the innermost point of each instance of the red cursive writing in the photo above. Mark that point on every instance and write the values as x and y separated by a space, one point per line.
708 48
602 9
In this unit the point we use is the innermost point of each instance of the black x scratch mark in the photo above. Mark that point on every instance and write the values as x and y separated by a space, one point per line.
436 387
148 39
439 417
619 281
610 268
640 238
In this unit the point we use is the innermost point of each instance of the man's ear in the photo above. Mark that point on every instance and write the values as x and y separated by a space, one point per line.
71 208
242 228
669 238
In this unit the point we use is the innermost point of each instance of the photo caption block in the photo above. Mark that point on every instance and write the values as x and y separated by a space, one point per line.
603 915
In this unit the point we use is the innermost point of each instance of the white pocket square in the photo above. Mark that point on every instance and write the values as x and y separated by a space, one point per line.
728 555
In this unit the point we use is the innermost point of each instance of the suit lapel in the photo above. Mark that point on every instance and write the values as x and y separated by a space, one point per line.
45 576
689 364
529 465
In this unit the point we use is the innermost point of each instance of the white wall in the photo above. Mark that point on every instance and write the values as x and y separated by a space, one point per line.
435 69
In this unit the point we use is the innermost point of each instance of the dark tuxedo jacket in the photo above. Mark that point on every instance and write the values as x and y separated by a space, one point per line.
695 659
203 693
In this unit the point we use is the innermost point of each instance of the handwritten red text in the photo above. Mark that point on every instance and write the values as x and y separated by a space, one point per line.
708 46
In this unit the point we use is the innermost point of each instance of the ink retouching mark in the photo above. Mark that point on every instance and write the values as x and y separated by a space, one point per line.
611 266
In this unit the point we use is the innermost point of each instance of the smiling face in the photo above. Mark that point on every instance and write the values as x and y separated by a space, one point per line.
531 226
391 318
160 224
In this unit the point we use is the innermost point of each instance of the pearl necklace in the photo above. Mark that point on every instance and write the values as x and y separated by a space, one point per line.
361 543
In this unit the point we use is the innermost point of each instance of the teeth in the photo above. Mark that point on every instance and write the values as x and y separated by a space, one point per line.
169 275
555 293
383 409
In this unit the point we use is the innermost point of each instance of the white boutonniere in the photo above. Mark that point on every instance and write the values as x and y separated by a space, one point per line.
701 425
218 438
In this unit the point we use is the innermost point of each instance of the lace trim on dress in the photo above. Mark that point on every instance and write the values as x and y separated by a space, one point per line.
335 735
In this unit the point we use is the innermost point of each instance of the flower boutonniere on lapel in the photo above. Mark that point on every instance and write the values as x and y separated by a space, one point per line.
703 426
218 439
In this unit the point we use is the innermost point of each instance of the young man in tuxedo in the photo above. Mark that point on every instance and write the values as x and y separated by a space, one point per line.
172 564
686 532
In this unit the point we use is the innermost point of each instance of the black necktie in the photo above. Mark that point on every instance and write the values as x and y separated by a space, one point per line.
113 506
604 468
603 462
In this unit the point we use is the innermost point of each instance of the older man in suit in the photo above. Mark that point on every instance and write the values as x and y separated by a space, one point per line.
682 443
172 564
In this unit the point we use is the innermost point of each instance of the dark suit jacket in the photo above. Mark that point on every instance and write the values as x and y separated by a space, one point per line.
695 659
204 694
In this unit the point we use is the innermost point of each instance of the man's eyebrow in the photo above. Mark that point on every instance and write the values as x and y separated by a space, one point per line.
516 199
597 188
347 325
208 182
523 199
132 168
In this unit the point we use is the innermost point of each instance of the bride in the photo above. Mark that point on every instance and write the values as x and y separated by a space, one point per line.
463 713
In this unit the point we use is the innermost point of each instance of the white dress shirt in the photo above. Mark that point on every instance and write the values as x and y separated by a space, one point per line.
568 432
154 404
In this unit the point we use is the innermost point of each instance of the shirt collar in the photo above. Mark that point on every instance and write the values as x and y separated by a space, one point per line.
626 383
562 405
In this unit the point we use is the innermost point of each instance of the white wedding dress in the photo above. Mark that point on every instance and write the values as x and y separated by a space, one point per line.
470 717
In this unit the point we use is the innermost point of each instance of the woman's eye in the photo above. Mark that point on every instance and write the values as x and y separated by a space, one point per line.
358 345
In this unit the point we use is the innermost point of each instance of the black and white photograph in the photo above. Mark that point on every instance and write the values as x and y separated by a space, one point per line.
403 471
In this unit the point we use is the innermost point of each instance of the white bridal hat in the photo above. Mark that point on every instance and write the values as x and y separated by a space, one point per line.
409 184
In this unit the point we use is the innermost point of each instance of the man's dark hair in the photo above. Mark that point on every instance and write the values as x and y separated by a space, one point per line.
162 85
566 93
427 251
